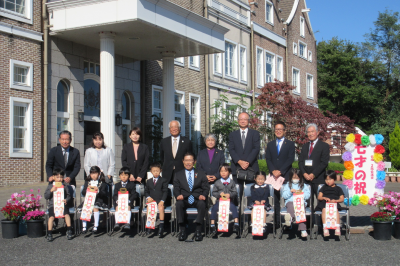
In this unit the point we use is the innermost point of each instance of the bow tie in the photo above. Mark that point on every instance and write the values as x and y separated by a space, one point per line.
124 184
257 186
226 183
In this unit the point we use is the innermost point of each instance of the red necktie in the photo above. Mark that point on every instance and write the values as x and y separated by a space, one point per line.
226 183
311 149
154 181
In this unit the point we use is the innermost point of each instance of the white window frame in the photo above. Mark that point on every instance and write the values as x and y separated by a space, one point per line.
271 21
65 114
29 75
295 48
97 79
304 56
243 76
196 63
260 74
226 104
280 68
334 135
297 90
29 131
273 65
302 27
26 18
310 55
310 95
182 113
198 120
160 89
234 61
180 61
217 63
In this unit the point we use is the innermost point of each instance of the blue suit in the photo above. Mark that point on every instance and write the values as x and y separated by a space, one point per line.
283 161
203 162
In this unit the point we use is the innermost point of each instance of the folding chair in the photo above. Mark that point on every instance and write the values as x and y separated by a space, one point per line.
247 211
342 212
284 211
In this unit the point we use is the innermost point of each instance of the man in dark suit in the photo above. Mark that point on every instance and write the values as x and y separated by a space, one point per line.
313 160
65 157
279 156
191 190
244 147
172 150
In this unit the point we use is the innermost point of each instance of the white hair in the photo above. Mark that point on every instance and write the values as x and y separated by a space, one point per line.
312 125
169 124
210 135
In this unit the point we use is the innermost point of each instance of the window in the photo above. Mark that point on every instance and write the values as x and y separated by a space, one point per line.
260 79
217 64
126 116
231 111
310 86
279 68
336 139
243 64
310 56
195 121
295 48
21 75
269 12
296 80
302 27
21 116
194 62
90 68
179 61
179 107
91 98
230 60
303 50
157 96
269 67
20 10
62 106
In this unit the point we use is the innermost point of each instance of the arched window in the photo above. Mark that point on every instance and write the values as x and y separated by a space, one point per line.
126 106
62 106
92 98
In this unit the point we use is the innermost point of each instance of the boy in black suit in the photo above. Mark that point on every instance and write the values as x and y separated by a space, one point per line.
157 190
124 175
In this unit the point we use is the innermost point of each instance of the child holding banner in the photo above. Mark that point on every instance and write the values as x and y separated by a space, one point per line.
225 188
95 181
58 175
330 193
295 185
260 195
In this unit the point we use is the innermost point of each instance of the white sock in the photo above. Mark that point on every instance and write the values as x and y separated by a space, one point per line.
304 231
96 218
129 217
337 225
84 224
324 225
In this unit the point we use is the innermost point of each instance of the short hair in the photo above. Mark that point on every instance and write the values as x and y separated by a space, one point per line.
96 169
280 123
330 174
137 131
260 173
312 125
169 124
244 113
125 170
65 132
58 171
156 164
210 135
189 154
98 135
226 166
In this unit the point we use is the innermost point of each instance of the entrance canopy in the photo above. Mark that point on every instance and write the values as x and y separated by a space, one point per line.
143 28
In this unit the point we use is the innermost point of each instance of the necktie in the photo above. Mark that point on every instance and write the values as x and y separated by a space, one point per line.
226 183
277 146
65 158
243 138
155 181
311 149
124 184
174 147
190 183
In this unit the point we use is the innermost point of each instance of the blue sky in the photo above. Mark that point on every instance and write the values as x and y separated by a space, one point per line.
346 19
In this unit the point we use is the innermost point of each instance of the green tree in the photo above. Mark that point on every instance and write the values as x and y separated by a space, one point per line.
394 146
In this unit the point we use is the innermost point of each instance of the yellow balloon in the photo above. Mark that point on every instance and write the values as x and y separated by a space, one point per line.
350 137
364 199
348 174
378 157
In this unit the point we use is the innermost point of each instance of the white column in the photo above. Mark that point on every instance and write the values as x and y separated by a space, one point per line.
107 88
168 91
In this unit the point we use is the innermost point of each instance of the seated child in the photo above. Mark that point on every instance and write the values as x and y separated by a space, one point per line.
295 184
330 193
156 189
225 186
58 176
101 197
124 174
260 195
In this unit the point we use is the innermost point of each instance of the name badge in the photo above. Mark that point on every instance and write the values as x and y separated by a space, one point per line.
308 163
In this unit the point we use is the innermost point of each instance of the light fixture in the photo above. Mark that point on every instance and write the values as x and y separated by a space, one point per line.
118 120
81 116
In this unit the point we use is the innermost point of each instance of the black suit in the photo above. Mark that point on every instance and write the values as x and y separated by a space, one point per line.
200 187
55 159
282 162
159 192
102 195
131 187
167 158
203 162
138 166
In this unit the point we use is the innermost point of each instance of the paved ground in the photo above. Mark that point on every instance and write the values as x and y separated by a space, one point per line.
129 248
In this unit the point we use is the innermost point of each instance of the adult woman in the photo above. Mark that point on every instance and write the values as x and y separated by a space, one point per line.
210 159
100 155
135 155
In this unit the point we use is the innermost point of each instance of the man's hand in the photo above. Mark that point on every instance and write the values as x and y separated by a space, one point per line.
139 179
180 197
306 176
276 173
202 197
211 178
311 176
67 180
149 200
132 178
51 178
257 202
243 164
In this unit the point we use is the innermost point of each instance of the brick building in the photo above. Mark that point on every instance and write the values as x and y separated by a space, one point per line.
21 92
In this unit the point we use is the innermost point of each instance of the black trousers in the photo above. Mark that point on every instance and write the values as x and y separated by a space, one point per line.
241 184
182 205
314 193
277 206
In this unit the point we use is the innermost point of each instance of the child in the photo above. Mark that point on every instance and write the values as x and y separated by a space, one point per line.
157 190
295 184
124 174
225 186
260 195
101 197
330 193
58 175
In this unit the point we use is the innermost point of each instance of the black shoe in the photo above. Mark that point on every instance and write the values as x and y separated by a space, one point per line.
94 230
236 228
161 230
213 230
84 231
199 236
69 234
182 235
50 237
116 227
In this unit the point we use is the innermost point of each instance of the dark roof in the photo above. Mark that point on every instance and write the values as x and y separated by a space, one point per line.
286 6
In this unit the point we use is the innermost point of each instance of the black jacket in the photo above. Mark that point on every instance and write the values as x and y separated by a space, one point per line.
55 159
131 187
203 162
102 195
158 192
319 156
138 166
200 185
283 161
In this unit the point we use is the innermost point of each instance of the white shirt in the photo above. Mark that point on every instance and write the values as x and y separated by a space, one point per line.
245 132
280 143
177 141
315 142
228 180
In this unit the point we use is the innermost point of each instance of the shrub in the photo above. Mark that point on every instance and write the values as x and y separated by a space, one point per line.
262 164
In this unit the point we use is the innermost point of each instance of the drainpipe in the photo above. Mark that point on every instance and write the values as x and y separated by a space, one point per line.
253 88
45 81
286 51
206 57
143 81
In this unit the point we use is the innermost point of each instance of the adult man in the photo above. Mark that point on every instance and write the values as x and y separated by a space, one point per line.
172 150
279 156
191 190
65 157
313 160
244 146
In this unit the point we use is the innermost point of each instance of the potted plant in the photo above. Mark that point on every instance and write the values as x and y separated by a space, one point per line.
34 221
396 226
382 223
9 226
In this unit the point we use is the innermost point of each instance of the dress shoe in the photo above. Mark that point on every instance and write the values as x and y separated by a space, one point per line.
161 230
199 236
236 228
50 237
69 234
182 235
213 230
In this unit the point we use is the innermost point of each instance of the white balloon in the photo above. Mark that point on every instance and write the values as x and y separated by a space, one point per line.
372 140
350 146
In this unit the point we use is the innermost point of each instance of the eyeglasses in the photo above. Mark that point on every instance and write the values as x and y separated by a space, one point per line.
242 119
280 129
